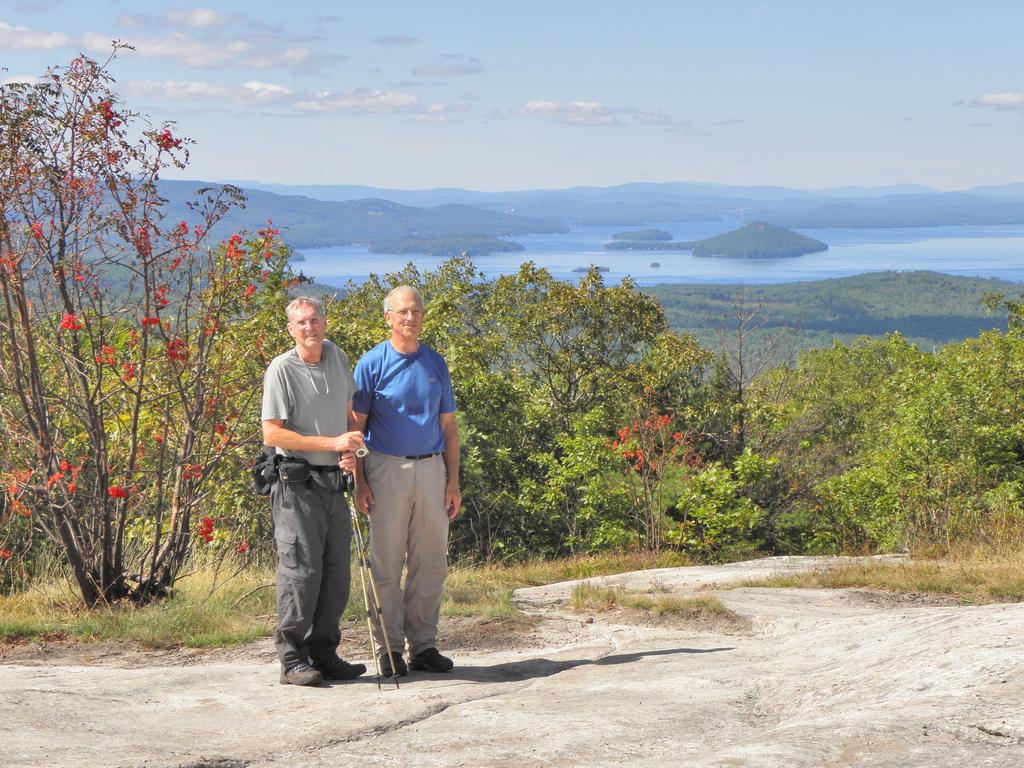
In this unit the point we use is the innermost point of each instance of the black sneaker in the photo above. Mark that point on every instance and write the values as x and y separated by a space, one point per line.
335 668
431 661
393 666
301 674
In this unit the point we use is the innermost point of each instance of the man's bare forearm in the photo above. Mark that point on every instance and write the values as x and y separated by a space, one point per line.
276 435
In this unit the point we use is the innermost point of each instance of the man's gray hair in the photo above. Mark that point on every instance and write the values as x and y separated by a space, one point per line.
403 289
304 301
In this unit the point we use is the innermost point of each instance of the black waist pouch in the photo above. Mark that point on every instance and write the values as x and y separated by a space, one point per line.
293 471
264 470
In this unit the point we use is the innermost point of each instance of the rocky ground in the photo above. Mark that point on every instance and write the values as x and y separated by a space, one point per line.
801 678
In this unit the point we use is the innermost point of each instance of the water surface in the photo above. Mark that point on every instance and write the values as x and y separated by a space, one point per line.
977 251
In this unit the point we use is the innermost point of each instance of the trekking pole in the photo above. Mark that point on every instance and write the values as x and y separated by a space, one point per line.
366 602
366 574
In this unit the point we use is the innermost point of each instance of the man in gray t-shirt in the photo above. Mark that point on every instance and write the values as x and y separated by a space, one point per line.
307 416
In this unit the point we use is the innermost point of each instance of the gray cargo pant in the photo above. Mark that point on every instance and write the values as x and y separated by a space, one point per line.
314 533
408 524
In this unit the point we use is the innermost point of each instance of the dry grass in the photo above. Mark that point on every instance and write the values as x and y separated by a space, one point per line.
701 612
970 576
217 604
486 590
210 608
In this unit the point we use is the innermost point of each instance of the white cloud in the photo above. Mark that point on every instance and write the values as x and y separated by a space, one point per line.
135 20
1000 100
265 93
355 101
214 52
29 79
359 101
253 93
654 118
185 18
178 47
177 89
25 39
440 113
595 114
258 87
455 64
586 113
395 40
687 128
195 17
289 57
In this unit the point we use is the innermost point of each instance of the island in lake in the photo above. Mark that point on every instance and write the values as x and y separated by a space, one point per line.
640 235
758 240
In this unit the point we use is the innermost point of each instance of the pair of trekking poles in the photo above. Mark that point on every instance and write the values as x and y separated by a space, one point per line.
371 598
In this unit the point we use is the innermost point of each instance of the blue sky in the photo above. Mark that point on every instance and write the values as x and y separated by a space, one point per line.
492 95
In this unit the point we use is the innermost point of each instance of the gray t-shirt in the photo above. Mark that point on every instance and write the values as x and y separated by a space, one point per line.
312 399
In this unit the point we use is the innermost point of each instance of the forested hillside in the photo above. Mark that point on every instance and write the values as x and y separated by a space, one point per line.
381 224
588 424
927 307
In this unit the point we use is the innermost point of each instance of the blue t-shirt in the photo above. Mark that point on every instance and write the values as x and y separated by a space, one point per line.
403 396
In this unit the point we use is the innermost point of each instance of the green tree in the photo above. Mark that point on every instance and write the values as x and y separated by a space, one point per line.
577 345
542 370
819 420
954 454
577 494
718 513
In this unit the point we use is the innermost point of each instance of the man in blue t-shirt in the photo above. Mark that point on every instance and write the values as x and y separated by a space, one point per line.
409 483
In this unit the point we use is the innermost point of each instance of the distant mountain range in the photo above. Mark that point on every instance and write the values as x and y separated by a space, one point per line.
447 220
372 221
440 195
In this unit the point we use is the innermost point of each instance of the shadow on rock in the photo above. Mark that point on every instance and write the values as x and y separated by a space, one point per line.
526 669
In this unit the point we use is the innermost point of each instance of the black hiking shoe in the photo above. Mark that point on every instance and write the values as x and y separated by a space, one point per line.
335 668
430 660
393 666
301 674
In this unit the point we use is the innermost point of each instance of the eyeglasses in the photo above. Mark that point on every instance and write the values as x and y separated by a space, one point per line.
302 322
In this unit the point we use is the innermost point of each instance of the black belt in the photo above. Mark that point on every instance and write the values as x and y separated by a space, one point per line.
327 475
423 456
295 470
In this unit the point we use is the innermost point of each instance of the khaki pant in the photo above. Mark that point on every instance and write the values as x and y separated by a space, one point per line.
408 523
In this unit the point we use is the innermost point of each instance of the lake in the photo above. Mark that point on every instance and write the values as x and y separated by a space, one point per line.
976 251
